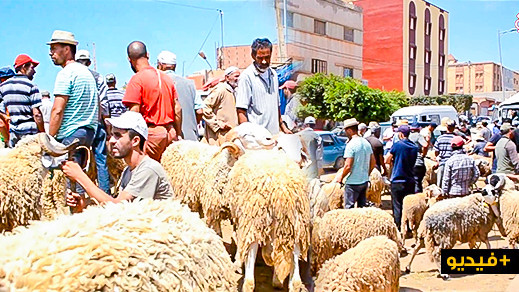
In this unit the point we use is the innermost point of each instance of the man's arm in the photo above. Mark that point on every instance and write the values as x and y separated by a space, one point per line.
56 115
38 118
212 102
446 181
348 164
242 115
512 153
489 147
178 119
372 163
282 124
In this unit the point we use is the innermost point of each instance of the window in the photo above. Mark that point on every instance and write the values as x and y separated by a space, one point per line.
348 34
442 34
319 27
347 72
290 18
441 86
428 27
442 61
412 52
319 66
427 57
427 84
412 80
412 22
327 140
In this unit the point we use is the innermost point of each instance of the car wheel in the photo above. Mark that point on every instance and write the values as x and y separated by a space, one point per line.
339 163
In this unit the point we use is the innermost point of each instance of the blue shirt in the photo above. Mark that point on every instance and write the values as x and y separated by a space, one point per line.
18 96
404 158
82 109
360 150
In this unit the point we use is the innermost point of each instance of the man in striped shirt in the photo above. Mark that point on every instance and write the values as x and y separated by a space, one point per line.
443 148
21 99
114 97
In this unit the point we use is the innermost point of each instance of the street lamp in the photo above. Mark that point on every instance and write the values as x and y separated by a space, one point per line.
499 33
203 56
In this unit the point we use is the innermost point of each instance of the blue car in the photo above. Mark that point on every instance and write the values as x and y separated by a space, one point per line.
333 149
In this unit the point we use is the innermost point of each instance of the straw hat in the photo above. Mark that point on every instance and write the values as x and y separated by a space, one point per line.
63 37
350 123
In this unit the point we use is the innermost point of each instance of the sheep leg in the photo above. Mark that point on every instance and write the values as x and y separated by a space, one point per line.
439 266
248 282
487 242
415 251
295 284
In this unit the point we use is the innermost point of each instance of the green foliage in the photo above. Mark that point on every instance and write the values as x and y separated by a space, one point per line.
461 102
338 98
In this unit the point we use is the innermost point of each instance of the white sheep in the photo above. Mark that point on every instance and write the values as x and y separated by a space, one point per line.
342 229
270 208
430 177
372 265
413 208
22 176
145 245
376 187
465 219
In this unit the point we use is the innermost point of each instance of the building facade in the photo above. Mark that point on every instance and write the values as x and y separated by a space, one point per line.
405 46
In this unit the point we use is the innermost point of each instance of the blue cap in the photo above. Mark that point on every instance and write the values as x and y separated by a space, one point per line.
404 129
6 72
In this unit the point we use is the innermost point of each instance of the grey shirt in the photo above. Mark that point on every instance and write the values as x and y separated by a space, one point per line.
258 94
147 180
187 97
506 155
313 143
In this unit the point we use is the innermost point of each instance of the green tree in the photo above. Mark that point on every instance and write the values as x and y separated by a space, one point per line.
461 102
337 98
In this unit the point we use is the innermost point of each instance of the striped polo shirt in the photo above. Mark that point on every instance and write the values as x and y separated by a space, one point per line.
114 101
258 93
82 109
18 97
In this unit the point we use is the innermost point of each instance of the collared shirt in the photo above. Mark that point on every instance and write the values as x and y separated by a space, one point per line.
443 145
360 150
114 102
101 93
82 109
459 174
18 96
258 93
506 156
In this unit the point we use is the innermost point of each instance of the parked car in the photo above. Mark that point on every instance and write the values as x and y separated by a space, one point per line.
333 149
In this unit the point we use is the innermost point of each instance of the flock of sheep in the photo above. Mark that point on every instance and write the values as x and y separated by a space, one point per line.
254 180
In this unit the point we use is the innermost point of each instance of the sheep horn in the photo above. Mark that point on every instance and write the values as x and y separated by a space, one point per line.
233 148
55 148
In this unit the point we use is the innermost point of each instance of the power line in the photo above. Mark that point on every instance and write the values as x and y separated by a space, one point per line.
186 5
203 43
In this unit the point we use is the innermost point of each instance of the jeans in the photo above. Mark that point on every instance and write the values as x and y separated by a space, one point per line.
85 136
100 152
15 138
355 193
398 191
419 173
439 175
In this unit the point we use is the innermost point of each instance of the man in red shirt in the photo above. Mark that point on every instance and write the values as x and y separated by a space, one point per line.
152 93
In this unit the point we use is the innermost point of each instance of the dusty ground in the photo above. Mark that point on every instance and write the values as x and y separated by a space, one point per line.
423 276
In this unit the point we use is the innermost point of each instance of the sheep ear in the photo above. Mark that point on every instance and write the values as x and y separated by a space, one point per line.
55 148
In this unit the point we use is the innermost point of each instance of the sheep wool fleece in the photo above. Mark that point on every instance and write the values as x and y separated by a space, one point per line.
270 206
147 245
372 265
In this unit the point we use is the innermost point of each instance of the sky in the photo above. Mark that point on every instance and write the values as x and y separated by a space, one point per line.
181 26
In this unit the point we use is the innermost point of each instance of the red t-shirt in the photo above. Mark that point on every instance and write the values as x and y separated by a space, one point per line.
157 106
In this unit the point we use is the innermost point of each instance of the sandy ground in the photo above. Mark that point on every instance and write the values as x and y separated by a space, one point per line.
423 276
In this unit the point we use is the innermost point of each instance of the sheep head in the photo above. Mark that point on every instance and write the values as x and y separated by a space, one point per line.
250 136
294 148
53 147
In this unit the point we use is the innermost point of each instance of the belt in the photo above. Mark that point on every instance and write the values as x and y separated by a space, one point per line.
167 126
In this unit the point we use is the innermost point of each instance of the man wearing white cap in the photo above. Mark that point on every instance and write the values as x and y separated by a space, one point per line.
313 143
190 101
220 108
143 178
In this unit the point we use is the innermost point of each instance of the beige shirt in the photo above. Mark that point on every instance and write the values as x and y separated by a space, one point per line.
220 109
147 180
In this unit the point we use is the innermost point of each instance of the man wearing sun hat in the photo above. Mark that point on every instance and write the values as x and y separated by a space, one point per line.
75 112
460 171
219 113
143 178
21 99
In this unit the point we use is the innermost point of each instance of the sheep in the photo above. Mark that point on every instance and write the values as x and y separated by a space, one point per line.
325 197
465 219
430 177
342 229
484 165
414 207
372 265
22 174
377 186
146 245
269 207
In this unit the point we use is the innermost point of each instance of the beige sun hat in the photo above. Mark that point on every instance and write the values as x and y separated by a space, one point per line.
350 123
63 37
402 122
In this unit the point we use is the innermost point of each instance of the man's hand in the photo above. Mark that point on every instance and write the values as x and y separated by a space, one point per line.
225 126
75 201
72 170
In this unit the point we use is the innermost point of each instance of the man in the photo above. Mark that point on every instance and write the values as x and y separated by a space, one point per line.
99 143
506 152
357 167
143 178
443 148
362 129
152 93
377 148
219 112
419 169
460 171
485 131
490 148
387 137
189 100
257 97
114 98
289 90
479 147
5 73
313 143
428 134
403 157
75 111
495 129
46 108
21 99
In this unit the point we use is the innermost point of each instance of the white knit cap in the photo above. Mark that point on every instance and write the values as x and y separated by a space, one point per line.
167 57
231 70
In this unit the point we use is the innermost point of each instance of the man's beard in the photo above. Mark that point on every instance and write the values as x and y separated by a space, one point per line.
233 84
261 70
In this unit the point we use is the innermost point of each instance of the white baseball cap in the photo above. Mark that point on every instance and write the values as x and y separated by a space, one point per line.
231 70
82 55
167 57
130 121
309 120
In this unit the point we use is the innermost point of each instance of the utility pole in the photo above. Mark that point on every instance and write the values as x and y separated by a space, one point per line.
220 62
94 56
499 33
